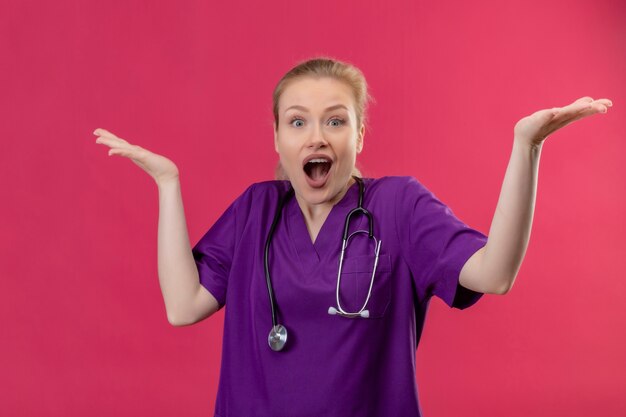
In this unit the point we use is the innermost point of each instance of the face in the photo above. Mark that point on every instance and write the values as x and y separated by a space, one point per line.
317 119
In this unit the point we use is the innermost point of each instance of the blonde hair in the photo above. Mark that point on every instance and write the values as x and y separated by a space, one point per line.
319 67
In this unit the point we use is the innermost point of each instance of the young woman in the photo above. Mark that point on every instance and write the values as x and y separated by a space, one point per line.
327 275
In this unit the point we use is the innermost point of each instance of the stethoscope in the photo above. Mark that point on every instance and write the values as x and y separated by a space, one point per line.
278 335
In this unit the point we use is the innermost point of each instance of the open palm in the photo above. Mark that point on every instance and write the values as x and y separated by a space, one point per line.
160 168
534 129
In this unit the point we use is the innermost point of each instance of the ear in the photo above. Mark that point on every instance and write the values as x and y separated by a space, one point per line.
275 138
359 139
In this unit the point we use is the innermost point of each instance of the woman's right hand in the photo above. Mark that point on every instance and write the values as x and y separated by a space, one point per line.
158 167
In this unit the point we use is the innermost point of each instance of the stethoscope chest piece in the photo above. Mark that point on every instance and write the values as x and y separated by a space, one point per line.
277 337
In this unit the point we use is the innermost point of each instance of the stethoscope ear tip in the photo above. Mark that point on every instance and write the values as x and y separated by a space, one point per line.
332 311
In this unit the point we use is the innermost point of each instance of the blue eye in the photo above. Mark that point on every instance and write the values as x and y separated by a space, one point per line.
297 119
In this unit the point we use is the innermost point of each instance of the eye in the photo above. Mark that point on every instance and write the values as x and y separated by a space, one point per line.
294 119
338 120
341 121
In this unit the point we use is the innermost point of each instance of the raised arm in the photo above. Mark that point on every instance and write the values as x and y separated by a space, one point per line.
493 268
186 301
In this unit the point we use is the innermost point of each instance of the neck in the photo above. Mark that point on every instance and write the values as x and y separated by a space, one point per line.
317 213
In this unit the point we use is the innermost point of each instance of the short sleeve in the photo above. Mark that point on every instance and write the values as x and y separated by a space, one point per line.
435 244
215 251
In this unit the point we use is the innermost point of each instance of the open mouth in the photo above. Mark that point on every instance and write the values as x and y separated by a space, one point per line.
317 170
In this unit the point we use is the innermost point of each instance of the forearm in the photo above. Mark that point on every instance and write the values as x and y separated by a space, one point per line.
178 275
510 228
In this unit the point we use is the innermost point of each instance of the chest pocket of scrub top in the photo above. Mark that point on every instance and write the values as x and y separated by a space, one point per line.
355 282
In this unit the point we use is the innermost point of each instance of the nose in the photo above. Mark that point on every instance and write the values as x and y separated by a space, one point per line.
317 139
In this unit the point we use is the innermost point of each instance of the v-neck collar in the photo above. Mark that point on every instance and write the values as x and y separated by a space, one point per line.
328 239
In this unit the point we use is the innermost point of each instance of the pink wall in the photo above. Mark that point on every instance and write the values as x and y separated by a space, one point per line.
84 329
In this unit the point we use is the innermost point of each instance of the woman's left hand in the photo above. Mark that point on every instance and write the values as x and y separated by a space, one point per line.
534 129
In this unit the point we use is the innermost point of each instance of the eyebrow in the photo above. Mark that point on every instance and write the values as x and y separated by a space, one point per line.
336 106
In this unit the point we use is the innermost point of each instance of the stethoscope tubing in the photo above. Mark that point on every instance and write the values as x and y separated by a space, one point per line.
270 288
362 312
278 334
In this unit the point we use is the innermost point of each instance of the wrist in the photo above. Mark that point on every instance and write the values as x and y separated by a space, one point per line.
171 181
526 145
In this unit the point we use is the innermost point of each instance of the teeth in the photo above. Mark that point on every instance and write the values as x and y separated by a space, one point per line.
318 160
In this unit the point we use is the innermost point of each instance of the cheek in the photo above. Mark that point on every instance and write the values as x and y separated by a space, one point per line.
348 153
345 163
288 159
282 148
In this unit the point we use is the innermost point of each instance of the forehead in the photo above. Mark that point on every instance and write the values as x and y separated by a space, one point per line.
316 94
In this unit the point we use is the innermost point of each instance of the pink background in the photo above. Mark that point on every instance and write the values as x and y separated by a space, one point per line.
84 329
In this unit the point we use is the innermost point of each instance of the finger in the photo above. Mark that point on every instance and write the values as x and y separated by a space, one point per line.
582 102
598 106
592 108
574 110
577 113
111 137
105 140
127 152
123 149
585 99
103 132
605 101
602 105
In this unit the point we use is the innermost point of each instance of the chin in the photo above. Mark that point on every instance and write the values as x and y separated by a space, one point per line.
312 195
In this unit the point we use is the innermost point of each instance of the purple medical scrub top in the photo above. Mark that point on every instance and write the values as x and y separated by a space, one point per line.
331 365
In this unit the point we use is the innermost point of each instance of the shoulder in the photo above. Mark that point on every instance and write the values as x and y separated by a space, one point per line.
393 180
261 192
405 195
263 189
263 186
396 185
